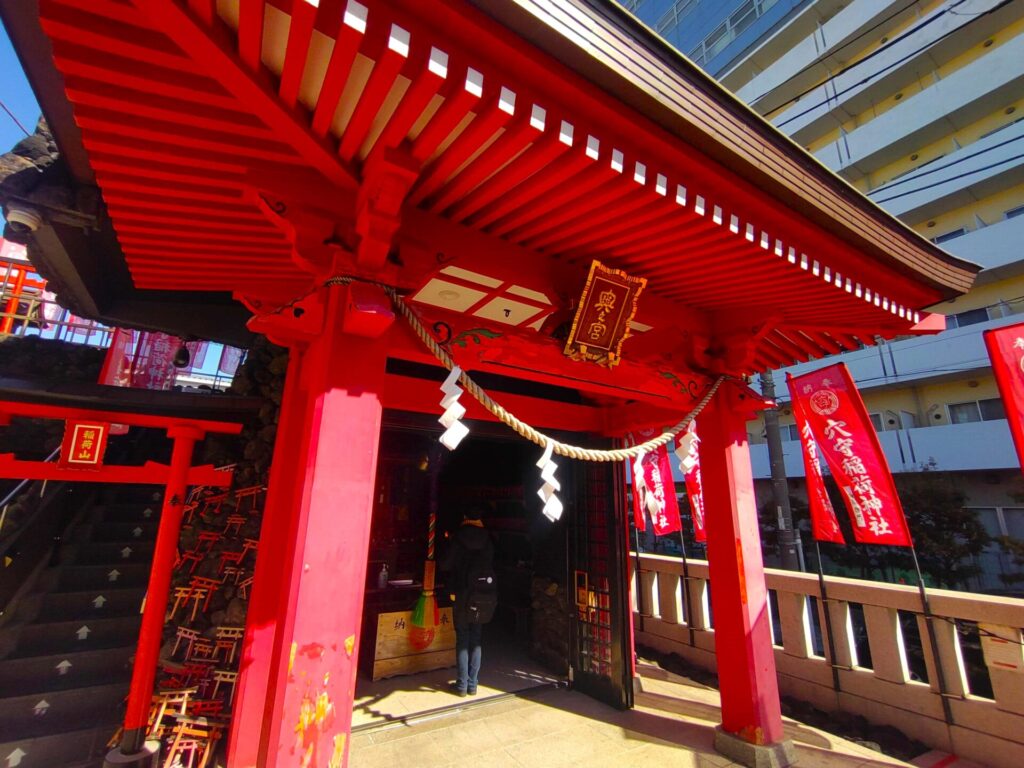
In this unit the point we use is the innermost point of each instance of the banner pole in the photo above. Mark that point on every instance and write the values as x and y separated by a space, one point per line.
828 621
940 678
639 579
686 585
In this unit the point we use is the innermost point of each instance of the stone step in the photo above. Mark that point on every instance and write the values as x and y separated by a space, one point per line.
89 553
70 636
106 532
101 603
40 674
42 714
83 748
74 578
129 513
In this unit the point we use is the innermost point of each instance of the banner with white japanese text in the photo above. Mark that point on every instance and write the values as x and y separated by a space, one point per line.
153 367
824 525
654 490
1006 350
694 487
839 422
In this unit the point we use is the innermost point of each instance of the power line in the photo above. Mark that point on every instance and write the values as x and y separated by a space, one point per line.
909 178
896 63
973 171
833 52
869 57
10 114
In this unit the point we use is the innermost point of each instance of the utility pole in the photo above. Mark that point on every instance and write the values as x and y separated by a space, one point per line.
780 488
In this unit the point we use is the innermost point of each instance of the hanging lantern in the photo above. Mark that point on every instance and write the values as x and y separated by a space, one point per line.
552 505
455 430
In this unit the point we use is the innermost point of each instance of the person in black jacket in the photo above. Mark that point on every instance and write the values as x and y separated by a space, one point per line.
470 563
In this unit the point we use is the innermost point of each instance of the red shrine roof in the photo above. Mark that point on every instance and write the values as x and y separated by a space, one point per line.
558 130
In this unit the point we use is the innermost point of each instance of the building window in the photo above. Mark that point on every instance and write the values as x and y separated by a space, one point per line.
990 409
949 236
727 31
671 18
790 433
876 421
970 317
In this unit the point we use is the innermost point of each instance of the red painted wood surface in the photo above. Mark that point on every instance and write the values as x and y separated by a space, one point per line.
147 651
739 597
150 473
308 701
269 595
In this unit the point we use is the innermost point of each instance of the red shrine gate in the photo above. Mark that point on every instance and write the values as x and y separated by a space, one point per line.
472 158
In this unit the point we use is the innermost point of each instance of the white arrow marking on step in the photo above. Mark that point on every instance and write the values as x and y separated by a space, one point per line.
136 532
83 632
147 512
41 707
100 601
14 758
112 576
126 552
64 666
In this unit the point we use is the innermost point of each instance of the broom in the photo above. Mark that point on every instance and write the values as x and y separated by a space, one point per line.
426 615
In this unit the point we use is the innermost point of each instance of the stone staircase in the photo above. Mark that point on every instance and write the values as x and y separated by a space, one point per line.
66 653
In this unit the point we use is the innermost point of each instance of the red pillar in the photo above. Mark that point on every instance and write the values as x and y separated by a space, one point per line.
151 633
277 537
743 643
311 687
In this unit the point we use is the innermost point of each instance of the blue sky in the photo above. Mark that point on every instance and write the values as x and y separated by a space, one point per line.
16 94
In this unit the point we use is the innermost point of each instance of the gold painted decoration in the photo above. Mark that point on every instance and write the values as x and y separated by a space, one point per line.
606 308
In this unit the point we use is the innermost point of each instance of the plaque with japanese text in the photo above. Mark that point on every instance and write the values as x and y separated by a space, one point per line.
606 308
84 445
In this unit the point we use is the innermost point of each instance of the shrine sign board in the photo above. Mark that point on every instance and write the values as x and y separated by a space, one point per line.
606 308
84 444
402 649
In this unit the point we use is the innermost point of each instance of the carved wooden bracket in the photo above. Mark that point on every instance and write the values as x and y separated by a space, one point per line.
387 179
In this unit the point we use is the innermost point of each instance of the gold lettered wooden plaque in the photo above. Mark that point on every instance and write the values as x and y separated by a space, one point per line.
602 320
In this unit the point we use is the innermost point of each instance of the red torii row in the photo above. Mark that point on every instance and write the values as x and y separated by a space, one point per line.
176 477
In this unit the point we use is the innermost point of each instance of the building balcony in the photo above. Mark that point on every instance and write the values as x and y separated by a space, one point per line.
897 66
949 448
886 668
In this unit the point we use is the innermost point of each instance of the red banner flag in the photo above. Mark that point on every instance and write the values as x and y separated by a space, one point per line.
839 422
654 491
230 359
824 525
690 464
1006 350
153 367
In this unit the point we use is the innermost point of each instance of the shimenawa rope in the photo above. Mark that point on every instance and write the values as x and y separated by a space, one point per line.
509 419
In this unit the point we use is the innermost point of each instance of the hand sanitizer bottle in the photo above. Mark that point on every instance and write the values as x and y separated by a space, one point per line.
382 577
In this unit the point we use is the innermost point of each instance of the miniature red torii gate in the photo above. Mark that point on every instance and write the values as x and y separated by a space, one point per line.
176 477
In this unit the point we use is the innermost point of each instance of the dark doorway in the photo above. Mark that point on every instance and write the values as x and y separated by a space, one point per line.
539 635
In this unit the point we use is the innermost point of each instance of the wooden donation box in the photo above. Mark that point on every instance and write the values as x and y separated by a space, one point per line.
403 649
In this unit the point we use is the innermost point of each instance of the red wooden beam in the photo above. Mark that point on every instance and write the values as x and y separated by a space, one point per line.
64 412
211 48
300 30
150 473
346 46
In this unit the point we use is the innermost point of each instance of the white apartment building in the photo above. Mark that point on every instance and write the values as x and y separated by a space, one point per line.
919 105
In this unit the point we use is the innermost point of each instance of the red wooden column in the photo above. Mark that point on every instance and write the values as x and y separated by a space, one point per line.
311 686
751 714
267 595
151 632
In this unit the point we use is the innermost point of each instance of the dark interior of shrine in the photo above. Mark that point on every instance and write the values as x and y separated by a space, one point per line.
494 470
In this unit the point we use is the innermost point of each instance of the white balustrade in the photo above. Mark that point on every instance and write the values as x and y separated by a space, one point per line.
987 730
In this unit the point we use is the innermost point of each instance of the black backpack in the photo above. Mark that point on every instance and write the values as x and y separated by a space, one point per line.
481 595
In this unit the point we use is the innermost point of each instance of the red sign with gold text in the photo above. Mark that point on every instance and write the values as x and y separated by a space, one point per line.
1006 350
824 525
839 422
602 320
84 444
